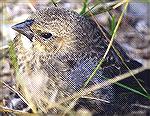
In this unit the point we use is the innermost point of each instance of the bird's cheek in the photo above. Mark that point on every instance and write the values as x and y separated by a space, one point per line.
53 46
39 47
58 45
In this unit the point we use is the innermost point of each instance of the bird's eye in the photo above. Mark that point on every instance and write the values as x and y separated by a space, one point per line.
46 35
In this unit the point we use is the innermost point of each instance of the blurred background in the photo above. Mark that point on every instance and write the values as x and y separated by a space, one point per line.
133 33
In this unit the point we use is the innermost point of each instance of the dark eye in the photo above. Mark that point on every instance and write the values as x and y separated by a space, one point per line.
46 35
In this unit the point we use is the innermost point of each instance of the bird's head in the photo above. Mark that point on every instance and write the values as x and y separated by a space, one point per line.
54 30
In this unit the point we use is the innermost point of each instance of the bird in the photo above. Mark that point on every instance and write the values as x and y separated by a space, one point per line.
66 48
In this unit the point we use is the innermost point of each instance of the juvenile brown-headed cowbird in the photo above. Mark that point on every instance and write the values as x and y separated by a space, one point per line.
66 48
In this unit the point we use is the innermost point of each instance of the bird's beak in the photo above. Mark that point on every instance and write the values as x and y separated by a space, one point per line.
24 28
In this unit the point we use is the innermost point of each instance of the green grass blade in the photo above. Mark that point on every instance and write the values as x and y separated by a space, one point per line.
85 3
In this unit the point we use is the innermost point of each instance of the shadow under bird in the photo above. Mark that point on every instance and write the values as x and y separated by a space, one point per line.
66 48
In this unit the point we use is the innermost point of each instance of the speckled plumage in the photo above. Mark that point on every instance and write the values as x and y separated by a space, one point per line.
64 62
